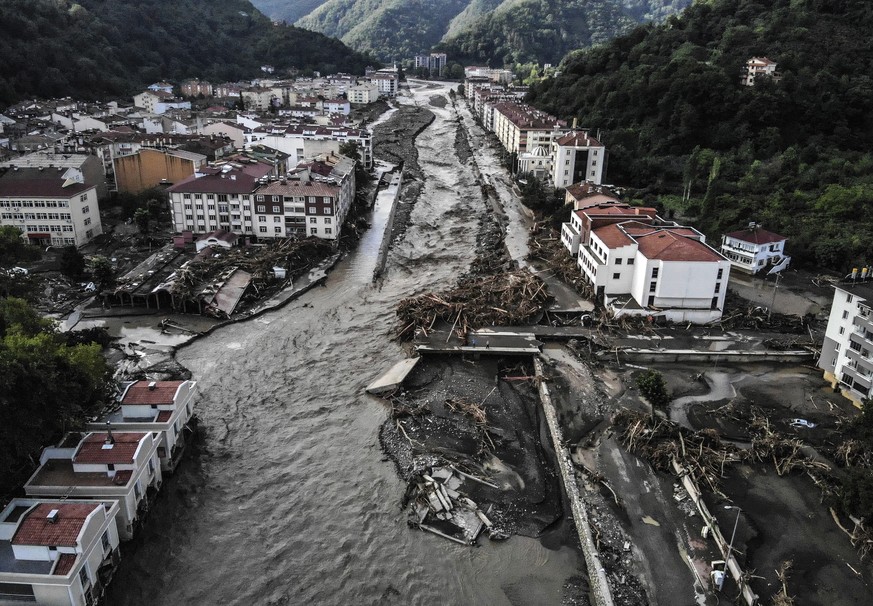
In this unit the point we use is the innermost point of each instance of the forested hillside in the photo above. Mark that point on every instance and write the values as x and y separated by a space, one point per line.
543 31
792 154
97 48
287 10
496 32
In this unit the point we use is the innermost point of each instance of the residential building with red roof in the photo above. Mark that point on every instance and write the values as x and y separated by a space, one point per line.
521 128
109 466
59 553
163 408
577 156
640 264
753 249
758 67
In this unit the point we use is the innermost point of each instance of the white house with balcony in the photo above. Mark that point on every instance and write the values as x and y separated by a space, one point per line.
847 352
119 467
57 553
163 408
754 249
758 67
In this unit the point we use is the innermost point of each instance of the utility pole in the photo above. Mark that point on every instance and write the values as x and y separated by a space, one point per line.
773 302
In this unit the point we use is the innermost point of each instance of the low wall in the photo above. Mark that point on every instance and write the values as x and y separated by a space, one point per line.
597 575
698 355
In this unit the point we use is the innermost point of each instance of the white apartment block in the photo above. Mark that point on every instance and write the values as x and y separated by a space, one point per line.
639 264
847 352
163 408
115 467
363 93
577 157
57 553
754 249
50 210
522 128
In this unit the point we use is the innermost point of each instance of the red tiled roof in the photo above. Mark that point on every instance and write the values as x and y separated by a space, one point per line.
163 393
221 183
756 236
164 416
578 139
122 451
35 529
668 246
612 236
65 563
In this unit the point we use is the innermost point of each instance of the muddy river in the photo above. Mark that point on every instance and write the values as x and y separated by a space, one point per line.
288 498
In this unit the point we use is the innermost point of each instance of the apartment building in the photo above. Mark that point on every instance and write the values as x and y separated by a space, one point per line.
577 157
753 249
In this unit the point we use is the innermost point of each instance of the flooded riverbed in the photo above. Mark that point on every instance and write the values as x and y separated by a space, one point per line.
288 499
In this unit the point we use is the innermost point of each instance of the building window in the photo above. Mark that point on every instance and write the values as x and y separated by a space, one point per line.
85 210
88 221
630 261
618 261
312 210
263 229
842 330
83 576
718 287
105 540
328 230
313 220
278 230
845 314
655 272
313 230
262 208
277 219
653 286
262 219
327 221
277 210
616 276
848 298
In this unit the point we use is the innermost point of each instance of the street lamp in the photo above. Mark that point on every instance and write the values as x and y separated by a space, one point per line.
727 557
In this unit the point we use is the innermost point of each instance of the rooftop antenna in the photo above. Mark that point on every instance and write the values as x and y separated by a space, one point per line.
109 438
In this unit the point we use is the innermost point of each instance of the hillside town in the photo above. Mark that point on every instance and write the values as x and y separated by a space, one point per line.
261 188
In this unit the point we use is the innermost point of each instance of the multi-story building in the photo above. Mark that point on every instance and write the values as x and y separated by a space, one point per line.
306 141
50 209
314 201
639 264
577 157
194 88
152 167
259 99
159 101
81 167
163 408
847 352
120 467
363 93
758 67
386 82
57 553
521 128
754 249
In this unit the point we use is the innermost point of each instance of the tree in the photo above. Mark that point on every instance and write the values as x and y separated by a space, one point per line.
142 217
14 249
653 388
102 272
72 262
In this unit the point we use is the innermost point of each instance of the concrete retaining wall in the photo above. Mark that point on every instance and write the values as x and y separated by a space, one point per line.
382 257
601 594
696 355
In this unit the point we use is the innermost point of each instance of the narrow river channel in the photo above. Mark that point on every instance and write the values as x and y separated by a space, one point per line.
288 499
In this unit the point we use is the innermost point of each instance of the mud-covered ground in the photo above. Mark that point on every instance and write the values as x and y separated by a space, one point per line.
394 142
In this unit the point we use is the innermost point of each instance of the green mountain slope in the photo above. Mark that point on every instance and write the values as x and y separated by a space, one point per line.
98 48
793 154
390 29
287 10
489 31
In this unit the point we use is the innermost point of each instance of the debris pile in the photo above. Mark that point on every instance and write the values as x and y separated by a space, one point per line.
703 453
545 246
437 505
510 298
739 315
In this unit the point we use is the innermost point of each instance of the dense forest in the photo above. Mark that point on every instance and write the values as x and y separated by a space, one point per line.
792 154
287 10
543 31
98 48
496 32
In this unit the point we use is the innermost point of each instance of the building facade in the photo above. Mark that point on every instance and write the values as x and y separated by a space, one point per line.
754 249
152 167
577 157
51 211
57 553
847 352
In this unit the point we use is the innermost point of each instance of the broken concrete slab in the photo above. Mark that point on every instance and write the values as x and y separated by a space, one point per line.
394 378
